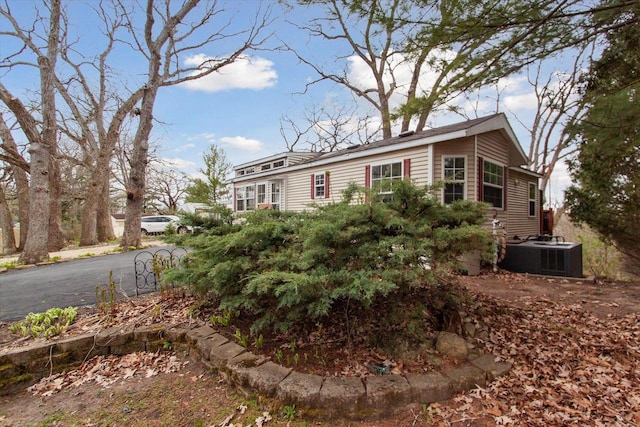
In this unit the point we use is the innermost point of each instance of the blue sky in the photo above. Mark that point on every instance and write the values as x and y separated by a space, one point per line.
240 109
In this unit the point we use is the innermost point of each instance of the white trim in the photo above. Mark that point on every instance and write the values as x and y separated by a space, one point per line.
534 200
386 162
315 185
430 165
526 171
281 189
498 122
502 186
475 168
280 156
266 191
245 198
465 181
415 143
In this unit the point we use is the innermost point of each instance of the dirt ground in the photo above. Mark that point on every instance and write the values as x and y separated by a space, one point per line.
192 396
602 298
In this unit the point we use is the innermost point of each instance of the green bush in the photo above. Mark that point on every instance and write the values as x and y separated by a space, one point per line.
286 269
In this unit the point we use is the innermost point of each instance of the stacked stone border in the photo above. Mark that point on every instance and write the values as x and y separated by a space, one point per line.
343 397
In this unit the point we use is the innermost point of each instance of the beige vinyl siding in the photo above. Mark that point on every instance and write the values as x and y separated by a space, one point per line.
519 222
493 147
342 173
457 147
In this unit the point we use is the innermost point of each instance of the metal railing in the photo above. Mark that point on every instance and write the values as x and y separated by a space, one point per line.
149 266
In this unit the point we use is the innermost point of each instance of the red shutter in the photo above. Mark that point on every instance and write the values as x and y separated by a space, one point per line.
367 176
480 195
367 181
407 168
326 185
505 180
313 186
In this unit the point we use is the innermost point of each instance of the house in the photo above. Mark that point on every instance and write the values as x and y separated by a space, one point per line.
479 159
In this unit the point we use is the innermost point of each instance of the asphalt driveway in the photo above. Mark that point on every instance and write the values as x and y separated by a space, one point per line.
38 288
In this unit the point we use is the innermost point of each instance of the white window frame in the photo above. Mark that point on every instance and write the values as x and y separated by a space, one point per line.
491 184
533 201
243 194
264 195
276 194
462 181
319 185
391 178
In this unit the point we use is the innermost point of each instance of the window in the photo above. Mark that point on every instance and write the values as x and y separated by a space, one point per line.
275 195
493 184
319 187
261 195
532 199
245 198
455 177
278 164
382 176
265 167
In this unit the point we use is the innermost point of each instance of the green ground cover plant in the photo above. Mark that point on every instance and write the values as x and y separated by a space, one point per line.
47 324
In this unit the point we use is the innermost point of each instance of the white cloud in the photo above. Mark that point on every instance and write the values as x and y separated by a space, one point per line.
246 72
242 143
511 83
207 136
184 147
359 73
560 180
176 163
525 101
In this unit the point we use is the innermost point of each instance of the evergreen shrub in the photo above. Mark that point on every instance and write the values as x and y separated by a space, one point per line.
286 268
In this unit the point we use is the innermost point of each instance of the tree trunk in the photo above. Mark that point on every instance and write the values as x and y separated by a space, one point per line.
43 151
56 237
36 246
6 223
137 175
105 225
22 191
20 177
88 228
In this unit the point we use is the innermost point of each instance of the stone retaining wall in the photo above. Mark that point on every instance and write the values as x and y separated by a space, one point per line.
343 397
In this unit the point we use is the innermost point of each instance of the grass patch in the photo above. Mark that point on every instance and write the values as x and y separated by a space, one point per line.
9 264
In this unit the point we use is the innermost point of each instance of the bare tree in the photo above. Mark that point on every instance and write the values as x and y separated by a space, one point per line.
163 45
421 53
45 230
95 112
19 168
558 106
6 219
419 56
374 46
327 128
166 185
